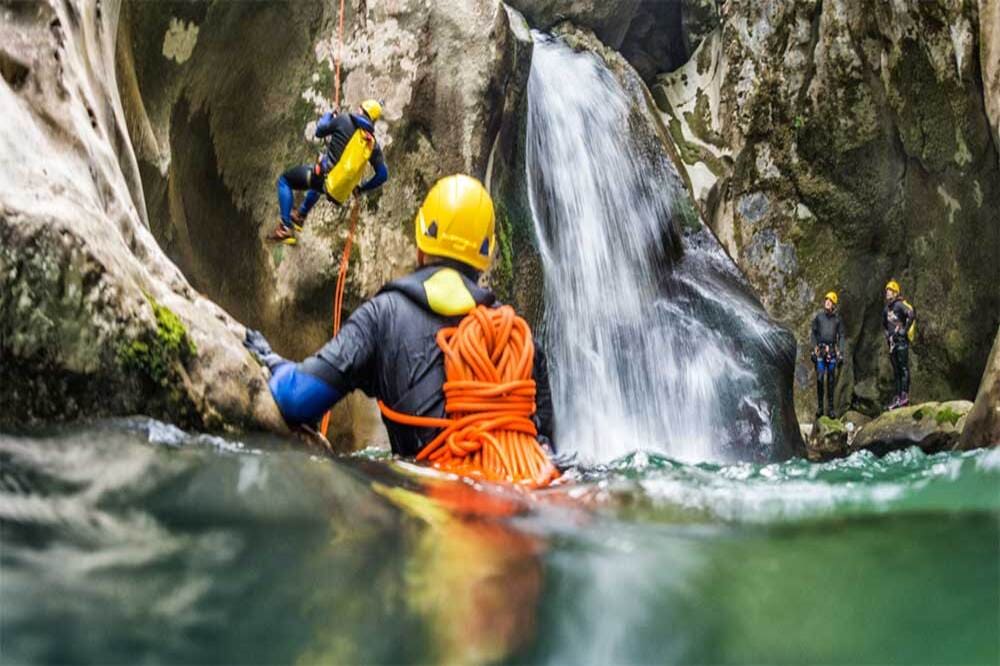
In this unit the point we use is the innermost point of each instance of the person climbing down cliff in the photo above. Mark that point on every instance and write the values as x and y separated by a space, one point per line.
337 173
899 324
828 351
388 348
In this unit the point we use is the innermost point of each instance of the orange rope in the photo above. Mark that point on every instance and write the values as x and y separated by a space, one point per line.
489 400
338 297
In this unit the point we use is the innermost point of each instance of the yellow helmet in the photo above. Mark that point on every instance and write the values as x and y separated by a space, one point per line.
372 108
892 284
456 221
832 295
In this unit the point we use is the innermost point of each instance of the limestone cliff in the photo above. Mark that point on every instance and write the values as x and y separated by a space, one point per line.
836 144
94 319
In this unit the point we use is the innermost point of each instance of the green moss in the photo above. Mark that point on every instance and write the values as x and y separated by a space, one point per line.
947 415
700 122
686 213
919 415
832 425
502 272
157 353
687 152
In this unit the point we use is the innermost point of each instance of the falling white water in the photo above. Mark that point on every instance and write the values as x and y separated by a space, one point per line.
644 353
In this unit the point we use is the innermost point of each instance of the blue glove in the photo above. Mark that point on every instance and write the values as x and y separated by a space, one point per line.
258 345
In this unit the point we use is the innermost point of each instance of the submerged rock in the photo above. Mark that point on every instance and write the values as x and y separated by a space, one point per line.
932 426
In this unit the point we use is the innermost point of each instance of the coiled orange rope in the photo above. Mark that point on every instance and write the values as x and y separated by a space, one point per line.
489 401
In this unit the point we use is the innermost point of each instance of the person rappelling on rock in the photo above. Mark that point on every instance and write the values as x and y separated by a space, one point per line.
350 145
416 334
828 351
899 324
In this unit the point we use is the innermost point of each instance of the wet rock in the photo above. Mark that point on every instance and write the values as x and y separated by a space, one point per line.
94 319
932 426
609 20
868 129
983 425
827 440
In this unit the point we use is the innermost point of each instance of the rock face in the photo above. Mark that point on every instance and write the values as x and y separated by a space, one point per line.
221 98
836 144
94 319
983 425
989 59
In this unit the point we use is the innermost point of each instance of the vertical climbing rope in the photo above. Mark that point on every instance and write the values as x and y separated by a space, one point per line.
345 259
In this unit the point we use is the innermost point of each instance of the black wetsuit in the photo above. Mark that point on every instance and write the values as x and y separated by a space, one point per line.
897 317
337 129
828 347
387 349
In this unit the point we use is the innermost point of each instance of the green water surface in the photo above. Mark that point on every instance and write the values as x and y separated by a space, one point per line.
130 541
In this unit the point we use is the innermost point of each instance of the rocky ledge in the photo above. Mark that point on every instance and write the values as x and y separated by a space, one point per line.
933 426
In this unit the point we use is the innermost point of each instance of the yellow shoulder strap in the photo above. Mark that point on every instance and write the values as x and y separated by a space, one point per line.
447 294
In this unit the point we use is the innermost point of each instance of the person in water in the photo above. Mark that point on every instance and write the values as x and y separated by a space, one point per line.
898 318
828 351
387 347
337 173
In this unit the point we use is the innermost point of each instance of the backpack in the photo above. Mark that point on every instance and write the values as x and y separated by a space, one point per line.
347 172
911 332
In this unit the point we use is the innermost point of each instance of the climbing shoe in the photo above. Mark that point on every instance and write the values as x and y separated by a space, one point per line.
894 404
282 235
297 221
904 399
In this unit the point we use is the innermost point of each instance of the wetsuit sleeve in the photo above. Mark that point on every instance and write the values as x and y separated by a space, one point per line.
301 397
815 332
381 171
840 337
544 411
324 127
345 362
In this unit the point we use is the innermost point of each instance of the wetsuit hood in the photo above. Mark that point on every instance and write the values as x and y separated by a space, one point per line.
448 288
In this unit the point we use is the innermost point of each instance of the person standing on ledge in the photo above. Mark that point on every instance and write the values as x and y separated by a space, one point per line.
898 322
828 351
337 173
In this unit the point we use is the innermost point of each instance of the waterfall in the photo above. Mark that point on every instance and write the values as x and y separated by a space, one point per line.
653 339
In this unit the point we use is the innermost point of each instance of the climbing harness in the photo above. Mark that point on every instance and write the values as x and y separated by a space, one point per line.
489 400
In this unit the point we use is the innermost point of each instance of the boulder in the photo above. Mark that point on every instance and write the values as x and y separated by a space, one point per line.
94 318
827 440
983 425
932 426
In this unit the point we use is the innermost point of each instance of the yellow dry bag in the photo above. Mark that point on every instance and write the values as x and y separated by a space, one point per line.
347 172
911 332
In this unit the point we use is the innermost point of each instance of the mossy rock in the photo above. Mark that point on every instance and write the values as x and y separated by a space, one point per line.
932 426
159 354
